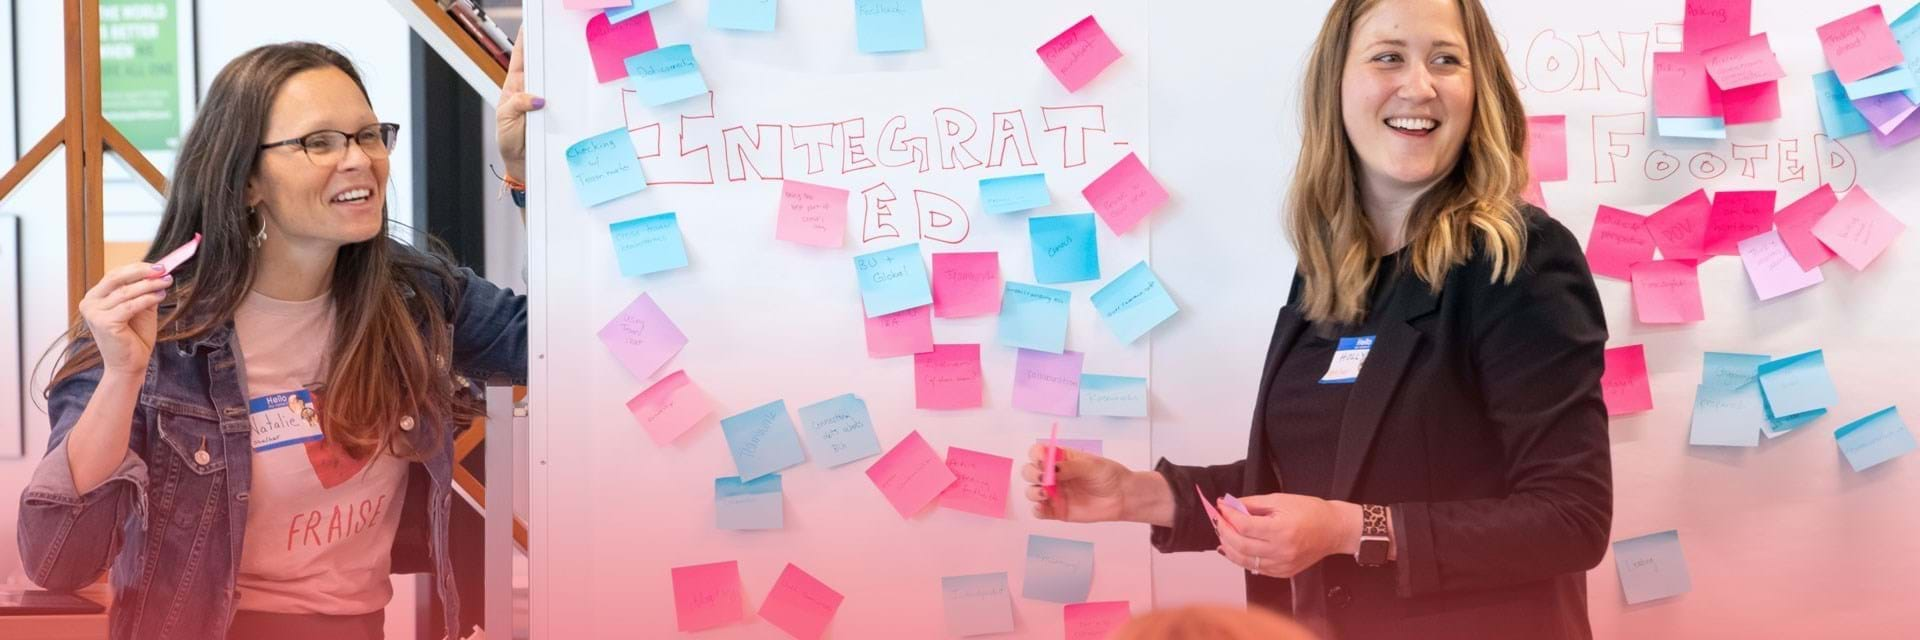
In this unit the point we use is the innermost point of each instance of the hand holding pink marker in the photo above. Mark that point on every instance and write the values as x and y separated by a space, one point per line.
1047 480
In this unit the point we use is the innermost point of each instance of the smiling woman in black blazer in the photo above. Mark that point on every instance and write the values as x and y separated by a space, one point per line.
1428 454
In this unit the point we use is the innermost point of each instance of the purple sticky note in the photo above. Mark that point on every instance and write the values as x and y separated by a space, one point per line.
1047 383
642 337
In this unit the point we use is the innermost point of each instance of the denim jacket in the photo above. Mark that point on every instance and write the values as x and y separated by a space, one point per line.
170 520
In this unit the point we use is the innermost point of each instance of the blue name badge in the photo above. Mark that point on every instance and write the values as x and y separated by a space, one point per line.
1347 359
283 419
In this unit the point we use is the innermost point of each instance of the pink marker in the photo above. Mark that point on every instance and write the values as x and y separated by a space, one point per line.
179 256
1053 456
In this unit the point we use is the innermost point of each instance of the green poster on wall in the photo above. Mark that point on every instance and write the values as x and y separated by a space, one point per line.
140 71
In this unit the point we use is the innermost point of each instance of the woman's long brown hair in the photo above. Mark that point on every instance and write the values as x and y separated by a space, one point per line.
1475 202
388 358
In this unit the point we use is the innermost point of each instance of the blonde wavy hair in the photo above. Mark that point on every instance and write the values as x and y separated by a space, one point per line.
1476 201
1213 622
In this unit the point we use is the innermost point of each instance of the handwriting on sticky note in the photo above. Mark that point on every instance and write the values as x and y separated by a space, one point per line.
977 604
1729 370
1713 23
1125 194
1547 148
1680 229
666 74
1651 567
811 214
1727 416
1134 303
1747 61
1860 44
948 377
1064 248
706 596
605 167
1772 269
1796 226
1736 216
1877 438
762 440
1858 229
1681 88
1618 240
1079 53
1047 383
1624 385
611 42
670 407
980 485
748 506
1667 292
892 280
1058 570
1118 396
839 430
901 333
1096 620
886 26
1033 317
800 605
642 337
1014 193
1797 384
966 284
1837 114
911 475
649 245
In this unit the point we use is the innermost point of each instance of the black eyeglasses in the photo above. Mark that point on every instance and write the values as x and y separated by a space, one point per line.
327 147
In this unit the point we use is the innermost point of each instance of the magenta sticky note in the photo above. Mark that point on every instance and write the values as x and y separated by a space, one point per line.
1752 103
642 337
1681 88
1079 53
1125 194
966 284
670 407
1744 62
901 333
1736 216
1771 267
911 475
1858 229
1667 292
611 43
980 484
1680 229
1860 44
948 377
1547 148
707 595
1712 23
800 605
1796 226
1096 620
1618 240
1624 384
811 214
1047 383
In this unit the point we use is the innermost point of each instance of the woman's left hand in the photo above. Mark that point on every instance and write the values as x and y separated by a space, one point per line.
1287 533
510 116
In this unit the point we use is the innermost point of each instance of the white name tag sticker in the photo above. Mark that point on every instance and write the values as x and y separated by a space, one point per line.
283 419
1347 359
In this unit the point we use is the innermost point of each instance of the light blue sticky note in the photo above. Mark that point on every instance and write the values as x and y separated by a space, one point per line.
1014 193
1729 370
762 440
1034 317
1776 427
1134 303
1724 417
744 15
1892 80
1064 248
1117 396
649 245
605 167
1652 567
893 280
1798 384
1874 439
1705 128
884 26
748 506
977 605
617 14
839 430
1906 31
665 75
1837 114
1058 570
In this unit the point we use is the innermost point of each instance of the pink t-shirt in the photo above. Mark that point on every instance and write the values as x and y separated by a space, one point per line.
320 524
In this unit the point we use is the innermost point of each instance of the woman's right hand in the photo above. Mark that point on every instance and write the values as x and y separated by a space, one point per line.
122 314
1089 488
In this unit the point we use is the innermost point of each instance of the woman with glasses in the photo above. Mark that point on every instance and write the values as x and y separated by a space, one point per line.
185 454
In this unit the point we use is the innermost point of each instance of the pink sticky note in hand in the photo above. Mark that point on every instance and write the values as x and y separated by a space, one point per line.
800 605
1125 194
1752 103
1744 62
1624 385
642 337
1681 88
1079 53
1858 229
980 485
1712 23
611 43
911 475
948 377
1860 44
1772 269
706 596
1736 216
1667 292
1047 383
1235 504
811 214
1618 240
1547 148
966 284
1096 620
179 256
1213 514
1680 229
901 333
1796 226
1047 473
670 407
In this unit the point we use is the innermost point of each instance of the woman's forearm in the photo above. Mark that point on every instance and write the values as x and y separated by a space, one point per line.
1149 499
98 441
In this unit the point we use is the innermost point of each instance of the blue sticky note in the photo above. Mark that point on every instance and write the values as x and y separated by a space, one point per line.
1706 128
893 280
977 605
1728 370
1798 384
1776 427
617 14
1727 417
839 430
1652 567
665 75
1117 396
1892 80
744 15
1014 193
748 506
1837 114
649 245
1874 439
884 26
605 167
1064 248
1034 317
762 440
1906 31
1058 570
1134 303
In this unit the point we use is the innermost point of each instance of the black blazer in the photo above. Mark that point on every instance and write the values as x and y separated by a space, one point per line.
1478 418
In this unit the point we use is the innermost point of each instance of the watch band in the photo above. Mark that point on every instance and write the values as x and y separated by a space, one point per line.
1373 521
1375 536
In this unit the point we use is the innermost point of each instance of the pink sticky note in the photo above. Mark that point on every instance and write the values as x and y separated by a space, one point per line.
1736 216
1744 62
966 284
1771 268
642 337
901 333
1047 383
911 475
1667 292
1860 44
611 43
811 214
980 482
948 377
1712 23
800 605
1618 240
1534 196
1752 103
1858 229
1680 229
1547 148
179 256
1125 194
1624 384
1234 504
707 595
1213 514
670 407
1680 87
597 4
1079 53
1096 620
1796 226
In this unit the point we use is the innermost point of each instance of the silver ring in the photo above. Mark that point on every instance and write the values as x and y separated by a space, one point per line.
1256 566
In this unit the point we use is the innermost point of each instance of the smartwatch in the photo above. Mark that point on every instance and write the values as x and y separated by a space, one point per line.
1375 540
